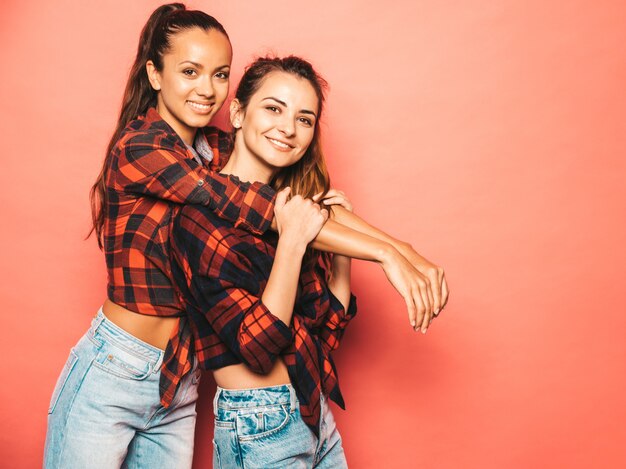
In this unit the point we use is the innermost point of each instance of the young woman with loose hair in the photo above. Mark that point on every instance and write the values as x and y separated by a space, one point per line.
128 389
266 310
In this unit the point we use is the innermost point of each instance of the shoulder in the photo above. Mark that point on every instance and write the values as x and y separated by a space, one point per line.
145 134
219 140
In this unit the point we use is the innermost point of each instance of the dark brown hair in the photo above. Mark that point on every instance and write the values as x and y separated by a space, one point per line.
154 41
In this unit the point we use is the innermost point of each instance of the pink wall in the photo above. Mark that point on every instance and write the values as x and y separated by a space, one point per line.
491 134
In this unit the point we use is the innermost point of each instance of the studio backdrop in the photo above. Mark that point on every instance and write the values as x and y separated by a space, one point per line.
491 135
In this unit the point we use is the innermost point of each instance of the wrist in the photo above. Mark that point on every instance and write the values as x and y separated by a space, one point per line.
386 253
291 244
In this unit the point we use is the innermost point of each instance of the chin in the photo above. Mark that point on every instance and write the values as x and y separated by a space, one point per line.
199 121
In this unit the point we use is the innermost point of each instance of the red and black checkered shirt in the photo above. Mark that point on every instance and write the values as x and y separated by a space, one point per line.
152 173
221 272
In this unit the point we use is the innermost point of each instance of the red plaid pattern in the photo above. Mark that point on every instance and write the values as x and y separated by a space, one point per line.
220 272
151 174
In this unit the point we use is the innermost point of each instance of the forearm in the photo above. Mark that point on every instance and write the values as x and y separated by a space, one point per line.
280 292
339 283
350 220
339 239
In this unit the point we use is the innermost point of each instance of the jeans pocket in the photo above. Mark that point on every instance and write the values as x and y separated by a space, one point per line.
259 422
63 377
122 363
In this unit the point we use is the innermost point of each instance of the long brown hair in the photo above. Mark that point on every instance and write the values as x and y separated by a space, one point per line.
154 42
309 175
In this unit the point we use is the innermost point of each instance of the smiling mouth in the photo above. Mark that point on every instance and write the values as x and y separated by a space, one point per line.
203 108
279 144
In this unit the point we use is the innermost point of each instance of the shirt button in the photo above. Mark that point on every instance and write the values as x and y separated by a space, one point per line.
200 182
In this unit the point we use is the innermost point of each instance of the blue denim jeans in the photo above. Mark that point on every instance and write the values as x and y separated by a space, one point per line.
262 428
105 410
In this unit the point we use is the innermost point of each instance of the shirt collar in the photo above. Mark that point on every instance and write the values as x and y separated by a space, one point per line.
200 148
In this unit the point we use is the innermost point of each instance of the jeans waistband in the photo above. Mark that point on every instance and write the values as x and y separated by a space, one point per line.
241 398
102 326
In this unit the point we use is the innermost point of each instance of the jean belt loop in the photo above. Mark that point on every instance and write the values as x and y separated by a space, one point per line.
157 366
215 399
292 398
97 320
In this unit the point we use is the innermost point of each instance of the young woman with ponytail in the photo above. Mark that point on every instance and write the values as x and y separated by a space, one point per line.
127 393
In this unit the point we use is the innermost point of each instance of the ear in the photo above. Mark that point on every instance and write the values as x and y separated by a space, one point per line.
153 75
236 113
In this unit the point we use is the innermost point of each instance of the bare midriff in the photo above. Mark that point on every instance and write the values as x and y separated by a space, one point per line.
241 377
154 330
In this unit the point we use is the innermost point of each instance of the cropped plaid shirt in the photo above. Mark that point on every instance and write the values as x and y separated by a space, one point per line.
221 272
152 173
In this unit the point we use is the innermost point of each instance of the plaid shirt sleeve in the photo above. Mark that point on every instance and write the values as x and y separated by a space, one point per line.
221 287
151 165
336 322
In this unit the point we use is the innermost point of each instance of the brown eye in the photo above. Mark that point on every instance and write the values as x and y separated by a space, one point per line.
190 72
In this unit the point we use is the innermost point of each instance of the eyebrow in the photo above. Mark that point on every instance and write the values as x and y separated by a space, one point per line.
303 111
197 65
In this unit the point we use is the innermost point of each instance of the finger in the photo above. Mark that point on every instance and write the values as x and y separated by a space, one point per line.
445 292
431 299
339 200
324 214
420 307
281 197
428 314
435 286
334 200
411 310
317 196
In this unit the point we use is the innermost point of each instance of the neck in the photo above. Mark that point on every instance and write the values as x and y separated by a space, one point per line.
246 166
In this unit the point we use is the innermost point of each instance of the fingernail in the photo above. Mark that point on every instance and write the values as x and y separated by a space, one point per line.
437 312
424 331
413 324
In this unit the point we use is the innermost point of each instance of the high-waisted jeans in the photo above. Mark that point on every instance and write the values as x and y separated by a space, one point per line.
105 410
262 428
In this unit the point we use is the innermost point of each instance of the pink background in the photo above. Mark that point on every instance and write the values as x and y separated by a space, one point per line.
490 134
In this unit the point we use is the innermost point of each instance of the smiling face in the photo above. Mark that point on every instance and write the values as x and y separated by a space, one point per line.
278 125
193 82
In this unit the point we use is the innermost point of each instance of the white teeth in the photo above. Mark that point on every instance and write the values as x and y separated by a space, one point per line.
279 144
199 107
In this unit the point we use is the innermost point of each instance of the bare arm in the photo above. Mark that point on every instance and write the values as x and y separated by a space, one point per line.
298 222
434 273
339 282
436 295
406 279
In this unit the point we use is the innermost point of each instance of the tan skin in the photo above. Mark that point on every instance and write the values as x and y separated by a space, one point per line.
421 283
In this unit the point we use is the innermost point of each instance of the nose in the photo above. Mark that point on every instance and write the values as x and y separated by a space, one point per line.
286 125
205 87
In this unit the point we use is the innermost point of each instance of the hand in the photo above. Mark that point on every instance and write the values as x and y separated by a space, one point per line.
434 273
334 197
413 286
298 219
